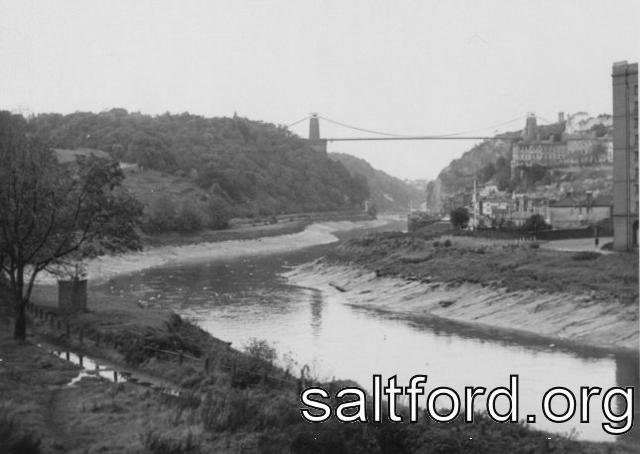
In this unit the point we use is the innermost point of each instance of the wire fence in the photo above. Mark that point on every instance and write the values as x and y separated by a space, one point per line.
224 359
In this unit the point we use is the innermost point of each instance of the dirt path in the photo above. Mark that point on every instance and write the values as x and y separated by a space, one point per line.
578 244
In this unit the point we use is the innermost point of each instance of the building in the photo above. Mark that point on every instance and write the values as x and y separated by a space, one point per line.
572 212
625 155
557 145
522 207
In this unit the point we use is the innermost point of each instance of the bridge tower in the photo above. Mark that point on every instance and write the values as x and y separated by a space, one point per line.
315 141
314 127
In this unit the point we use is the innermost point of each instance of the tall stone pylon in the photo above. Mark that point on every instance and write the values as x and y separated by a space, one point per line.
314 127
315 141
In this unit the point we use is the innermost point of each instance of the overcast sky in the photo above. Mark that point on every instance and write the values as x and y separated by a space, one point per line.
406 67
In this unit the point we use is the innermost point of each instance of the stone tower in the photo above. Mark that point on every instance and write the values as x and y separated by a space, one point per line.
625 155
316 142
531 128
314 127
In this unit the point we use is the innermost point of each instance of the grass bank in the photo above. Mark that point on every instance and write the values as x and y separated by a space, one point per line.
583 297
610 278
241 403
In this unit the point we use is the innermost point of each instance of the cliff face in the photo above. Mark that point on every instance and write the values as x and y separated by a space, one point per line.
485 161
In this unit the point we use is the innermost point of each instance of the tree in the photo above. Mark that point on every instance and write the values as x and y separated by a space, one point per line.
459 217
535 223
219 214
598 152
50 212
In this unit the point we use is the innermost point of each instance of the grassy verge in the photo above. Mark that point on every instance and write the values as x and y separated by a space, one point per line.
610 278
251 406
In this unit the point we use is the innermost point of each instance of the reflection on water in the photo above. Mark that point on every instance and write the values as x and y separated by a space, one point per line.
248 298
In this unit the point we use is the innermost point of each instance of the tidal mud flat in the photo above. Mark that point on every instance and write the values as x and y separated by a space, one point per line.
403 283
104 267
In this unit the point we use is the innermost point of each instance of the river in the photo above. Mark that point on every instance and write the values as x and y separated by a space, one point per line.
248 297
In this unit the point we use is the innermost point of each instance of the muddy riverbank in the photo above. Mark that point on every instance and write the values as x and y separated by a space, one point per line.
104 267
233 412
585 299
558 316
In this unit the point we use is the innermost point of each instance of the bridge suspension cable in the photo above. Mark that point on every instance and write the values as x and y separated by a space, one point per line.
392 136
299 121
360 129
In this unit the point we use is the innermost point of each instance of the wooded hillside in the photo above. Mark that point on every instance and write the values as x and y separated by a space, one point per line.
247 168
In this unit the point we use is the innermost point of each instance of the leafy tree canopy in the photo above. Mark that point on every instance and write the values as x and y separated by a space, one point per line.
535 223
50 213
250 168
459 217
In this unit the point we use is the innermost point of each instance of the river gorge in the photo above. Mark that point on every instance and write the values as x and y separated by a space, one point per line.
255 292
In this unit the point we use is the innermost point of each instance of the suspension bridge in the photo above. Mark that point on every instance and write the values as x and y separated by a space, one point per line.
320 143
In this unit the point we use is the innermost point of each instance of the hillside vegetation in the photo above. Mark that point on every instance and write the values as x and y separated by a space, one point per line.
240 167
387 193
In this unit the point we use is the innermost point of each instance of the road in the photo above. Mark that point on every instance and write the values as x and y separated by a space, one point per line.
578 244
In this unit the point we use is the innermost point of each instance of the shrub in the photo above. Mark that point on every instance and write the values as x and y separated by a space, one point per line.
436 243
260 350
188 220
13 440
219 213
459 217
247 409
161 216
534 245
336 438
256 365
178 336
586 255
447 242
535 223
163 444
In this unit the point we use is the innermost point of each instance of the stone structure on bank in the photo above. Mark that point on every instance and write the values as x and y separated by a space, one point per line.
625 155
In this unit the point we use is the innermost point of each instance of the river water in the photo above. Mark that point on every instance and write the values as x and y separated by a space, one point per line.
248 297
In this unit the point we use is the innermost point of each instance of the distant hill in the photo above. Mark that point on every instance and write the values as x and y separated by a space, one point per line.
388 193
236 166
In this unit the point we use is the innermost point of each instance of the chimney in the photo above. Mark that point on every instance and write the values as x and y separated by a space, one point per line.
560 117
